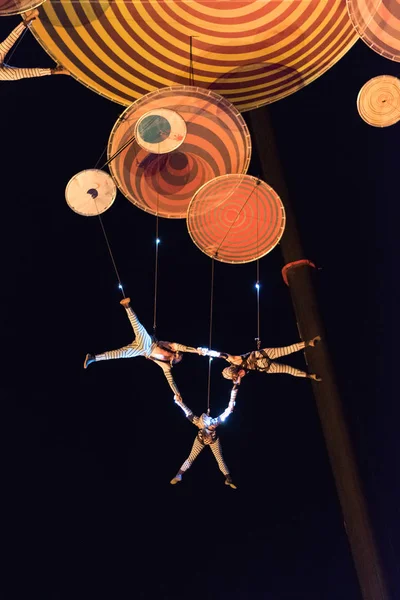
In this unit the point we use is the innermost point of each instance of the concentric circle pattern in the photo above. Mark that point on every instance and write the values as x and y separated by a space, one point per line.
378 101
217 142
17 7
377 22
91 192
160 131
251 51
236 218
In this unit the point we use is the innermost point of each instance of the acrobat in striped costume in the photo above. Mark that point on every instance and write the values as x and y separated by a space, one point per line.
207 436
164 354
263 361
8 73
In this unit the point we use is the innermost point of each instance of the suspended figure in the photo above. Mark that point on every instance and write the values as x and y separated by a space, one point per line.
164 354
263 361
8 73
207 436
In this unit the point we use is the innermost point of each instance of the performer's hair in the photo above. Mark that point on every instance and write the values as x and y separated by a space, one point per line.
177 358
230 372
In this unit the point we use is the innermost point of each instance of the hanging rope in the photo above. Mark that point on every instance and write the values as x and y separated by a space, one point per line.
157 244
17 43
117 153
191 67
258 340
129 141
111 255
237 216
210 335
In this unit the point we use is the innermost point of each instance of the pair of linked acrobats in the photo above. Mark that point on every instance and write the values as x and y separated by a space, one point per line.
168 354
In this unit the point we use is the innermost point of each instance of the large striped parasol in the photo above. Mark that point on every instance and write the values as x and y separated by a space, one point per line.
252 51
377 22
216 142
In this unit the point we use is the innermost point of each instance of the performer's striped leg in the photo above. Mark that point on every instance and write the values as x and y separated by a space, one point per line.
217 451
287 369
129 351
277 352
10 41
8 73
142 338
195 451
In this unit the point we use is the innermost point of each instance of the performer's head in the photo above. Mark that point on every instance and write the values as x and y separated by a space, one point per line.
234 373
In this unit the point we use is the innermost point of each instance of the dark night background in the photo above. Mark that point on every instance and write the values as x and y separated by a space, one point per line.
88 455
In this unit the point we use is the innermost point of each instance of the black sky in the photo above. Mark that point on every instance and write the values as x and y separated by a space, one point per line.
88 455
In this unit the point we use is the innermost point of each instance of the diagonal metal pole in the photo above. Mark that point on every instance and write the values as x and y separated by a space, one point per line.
354 508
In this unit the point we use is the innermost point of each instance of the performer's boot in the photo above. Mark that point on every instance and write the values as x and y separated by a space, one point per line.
314 341
228 481
125 302
177 478
90 358
314 376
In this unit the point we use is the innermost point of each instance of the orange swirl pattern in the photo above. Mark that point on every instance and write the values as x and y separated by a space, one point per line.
378 101
217 142
377 22
236 219
251 51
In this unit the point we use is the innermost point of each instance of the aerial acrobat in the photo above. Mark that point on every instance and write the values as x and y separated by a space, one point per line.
263 360
207 436
164 354
8 73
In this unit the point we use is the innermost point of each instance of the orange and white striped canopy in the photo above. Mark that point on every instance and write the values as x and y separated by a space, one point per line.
253 52
217 141
377 22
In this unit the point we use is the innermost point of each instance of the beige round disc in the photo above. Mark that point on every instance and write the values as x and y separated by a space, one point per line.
160 131
378 101
91 192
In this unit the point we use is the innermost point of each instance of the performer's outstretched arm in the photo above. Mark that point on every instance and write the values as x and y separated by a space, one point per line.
182 348
166 367
215 354
229 409
188 413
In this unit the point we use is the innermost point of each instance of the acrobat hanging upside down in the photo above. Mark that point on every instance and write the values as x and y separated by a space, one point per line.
263 361
207 436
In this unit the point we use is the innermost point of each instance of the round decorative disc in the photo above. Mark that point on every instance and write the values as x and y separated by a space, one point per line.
253 52
160 131
236 218
378 101
217 142
377 22
17 7
90 193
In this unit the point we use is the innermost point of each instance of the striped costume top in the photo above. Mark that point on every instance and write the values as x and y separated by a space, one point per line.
207 433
